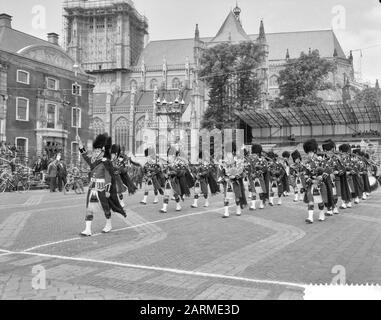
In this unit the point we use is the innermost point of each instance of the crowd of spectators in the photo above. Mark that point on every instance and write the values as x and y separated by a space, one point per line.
367 133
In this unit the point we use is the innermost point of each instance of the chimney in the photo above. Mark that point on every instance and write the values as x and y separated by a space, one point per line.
5 20
53 38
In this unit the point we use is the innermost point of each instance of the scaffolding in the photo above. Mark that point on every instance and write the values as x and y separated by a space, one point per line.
101 4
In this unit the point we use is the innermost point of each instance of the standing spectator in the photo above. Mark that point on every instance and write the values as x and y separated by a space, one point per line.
52 175
37 168
44 166
61 173
78 179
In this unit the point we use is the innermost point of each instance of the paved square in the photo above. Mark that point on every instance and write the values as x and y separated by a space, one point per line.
194 254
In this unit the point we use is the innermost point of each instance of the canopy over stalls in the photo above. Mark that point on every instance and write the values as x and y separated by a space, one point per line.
320 115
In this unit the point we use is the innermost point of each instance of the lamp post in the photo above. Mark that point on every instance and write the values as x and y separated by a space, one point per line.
77 106
173 110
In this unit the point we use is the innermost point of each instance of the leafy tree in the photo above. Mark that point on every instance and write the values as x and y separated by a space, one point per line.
229 70
369 97
302 78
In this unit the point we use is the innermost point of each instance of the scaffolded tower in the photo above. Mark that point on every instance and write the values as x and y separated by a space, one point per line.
104 36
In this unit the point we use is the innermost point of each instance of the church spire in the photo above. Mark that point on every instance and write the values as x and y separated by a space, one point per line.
197 33
350 56
287 54
262 35
377 85
237 12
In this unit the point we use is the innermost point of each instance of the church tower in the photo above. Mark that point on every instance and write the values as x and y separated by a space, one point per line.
105 37
263 70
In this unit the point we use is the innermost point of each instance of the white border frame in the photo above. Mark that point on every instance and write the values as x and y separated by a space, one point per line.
80 90
17 76
26 144
17 109
80 117
57 86
55 114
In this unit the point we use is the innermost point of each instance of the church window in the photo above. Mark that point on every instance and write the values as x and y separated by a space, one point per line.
122 132
98 127
274 81
153 84
175 83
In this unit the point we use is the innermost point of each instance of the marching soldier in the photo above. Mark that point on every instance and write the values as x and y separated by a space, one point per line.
277 174
258 177
314 180
178 179
232 180
297 178
100 182
204 181
153 177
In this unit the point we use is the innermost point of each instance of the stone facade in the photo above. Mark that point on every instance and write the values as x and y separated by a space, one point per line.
132 77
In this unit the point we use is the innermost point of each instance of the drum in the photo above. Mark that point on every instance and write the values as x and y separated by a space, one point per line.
373 183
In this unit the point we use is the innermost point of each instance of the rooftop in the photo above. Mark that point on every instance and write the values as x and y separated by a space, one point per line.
176 50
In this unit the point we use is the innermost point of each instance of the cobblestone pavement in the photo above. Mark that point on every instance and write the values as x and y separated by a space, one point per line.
194 254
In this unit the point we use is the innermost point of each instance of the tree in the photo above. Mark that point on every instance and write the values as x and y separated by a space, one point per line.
229 70
369 97
302 78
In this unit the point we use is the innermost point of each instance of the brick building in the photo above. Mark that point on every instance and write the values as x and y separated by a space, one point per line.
44 94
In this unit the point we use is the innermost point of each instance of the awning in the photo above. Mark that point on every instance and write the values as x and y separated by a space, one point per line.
336 114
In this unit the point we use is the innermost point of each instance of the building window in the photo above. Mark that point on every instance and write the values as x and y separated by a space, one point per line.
175 83
23 76
153 84
21 145
121 132
52 83
76 117
22 109
273 81
76 89
51 119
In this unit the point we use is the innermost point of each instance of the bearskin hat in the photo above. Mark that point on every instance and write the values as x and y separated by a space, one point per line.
272 155
286 154
345 148
256 149
100 141
358 152
329 145
149 152
107 148
296 155
310 146
115 149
